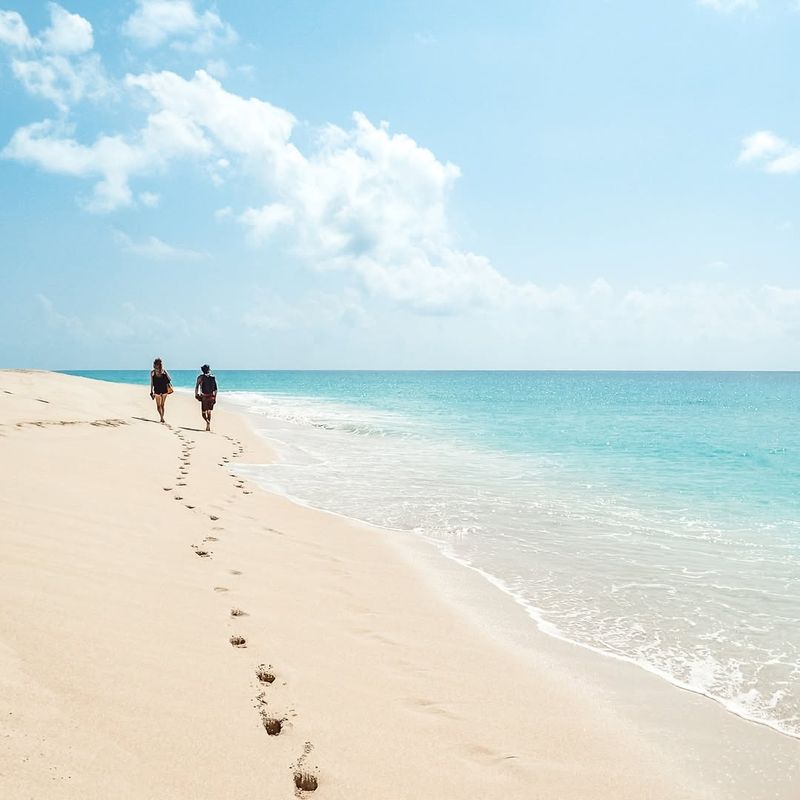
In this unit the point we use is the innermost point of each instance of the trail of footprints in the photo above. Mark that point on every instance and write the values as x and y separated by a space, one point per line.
305 779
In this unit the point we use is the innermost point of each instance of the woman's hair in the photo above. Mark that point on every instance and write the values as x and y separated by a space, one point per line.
157 363
205 369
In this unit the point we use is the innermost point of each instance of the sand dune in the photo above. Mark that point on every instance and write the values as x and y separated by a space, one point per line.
168 630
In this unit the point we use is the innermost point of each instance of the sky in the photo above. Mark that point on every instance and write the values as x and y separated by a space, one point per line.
306 184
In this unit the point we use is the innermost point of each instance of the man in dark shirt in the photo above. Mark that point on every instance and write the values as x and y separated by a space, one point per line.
205 390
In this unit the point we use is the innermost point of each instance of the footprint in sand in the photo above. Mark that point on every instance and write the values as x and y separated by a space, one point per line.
235 571
213 518
305 780
188 506
265 674
178 497
238 641
221 589
237 612
167 488
200 552
211 539
272 725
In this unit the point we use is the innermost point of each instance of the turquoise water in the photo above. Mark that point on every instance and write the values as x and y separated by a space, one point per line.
653 517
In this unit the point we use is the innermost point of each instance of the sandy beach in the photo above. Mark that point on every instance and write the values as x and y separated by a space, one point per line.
170 630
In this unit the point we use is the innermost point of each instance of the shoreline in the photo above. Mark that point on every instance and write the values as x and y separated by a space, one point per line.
328 603
745 738
535 615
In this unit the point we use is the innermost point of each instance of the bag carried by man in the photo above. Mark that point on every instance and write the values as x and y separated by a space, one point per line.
208 384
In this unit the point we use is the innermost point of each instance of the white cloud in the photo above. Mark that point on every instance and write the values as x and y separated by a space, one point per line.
68 33
149 199
14 32
364 201
774 154
59 65
760 145
154 22
263 222
61 80
112 159
727 6
154 248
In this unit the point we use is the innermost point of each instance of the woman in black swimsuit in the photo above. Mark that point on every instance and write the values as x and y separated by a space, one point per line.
160 386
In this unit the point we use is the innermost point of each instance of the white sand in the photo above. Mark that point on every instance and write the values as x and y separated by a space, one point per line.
118 680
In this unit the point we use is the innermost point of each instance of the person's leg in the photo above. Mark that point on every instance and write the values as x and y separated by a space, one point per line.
160 405
208 421
163 406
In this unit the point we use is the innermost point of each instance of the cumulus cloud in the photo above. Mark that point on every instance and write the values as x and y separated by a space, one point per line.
69 34
112 159
14 32
263 222
774 154
364 201
361 199
59 65
155 22
61 80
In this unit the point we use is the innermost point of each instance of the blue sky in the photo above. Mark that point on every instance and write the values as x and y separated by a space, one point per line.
555 185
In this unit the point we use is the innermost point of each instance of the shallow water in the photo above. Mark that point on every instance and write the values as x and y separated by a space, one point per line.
654 517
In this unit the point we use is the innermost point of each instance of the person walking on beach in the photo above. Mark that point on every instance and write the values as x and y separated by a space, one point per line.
160 386
205 390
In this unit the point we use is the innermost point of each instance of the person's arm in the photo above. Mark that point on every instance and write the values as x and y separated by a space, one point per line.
152 392
197 387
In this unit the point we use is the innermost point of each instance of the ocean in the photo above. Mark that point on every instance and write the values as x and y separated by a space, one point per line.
651 517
